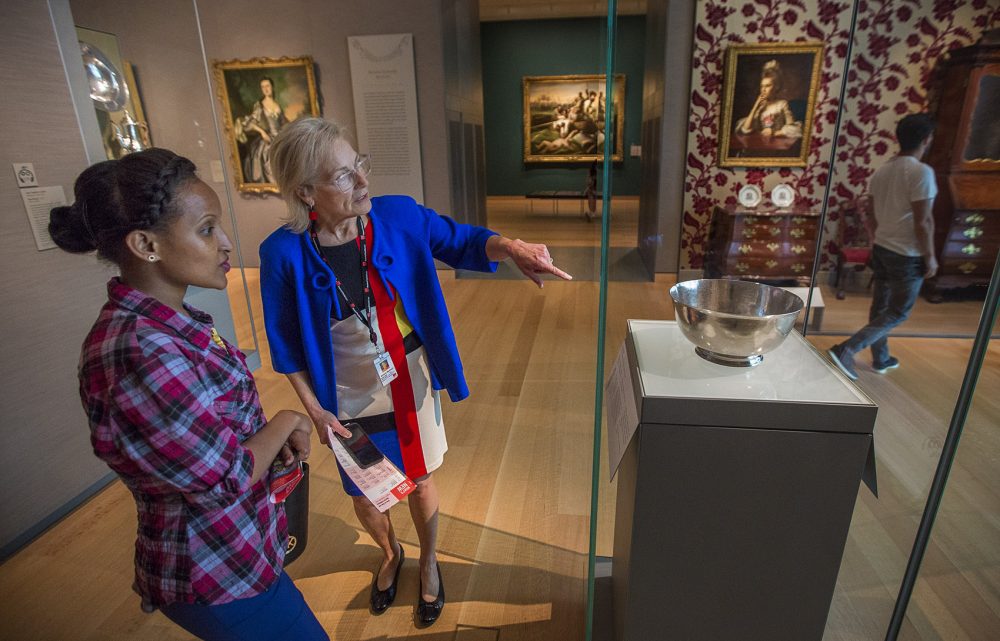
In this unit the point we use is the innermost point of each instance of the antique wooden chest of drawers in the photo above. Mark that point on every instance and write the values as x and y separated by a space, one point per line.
965 155
970 246
761 244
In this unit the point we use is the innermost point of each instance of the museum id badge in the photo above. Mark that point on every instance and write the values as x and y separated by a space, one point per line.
385 369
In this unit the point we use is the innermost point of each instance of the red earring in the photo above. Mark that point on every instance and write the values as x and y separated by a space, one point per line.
312 213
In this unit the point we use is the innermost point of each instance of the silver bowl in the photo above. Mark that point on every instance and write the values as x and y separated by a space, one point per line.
734 322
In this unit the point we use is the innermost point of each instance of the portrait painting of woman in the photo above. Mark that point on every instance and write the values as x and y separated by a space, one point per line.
259 97
770 91
261 126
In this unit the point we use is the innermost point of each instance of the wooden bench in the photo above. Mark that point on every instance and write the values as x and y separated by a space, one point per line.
555 197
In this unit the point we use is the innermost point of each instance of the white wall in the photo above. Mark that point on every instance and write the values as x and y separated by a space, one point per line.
159 38
50 298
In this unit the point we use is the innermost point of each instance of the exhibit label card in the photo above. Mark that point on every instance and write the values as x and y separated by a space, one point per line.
621 411
385 109
38 202
383 483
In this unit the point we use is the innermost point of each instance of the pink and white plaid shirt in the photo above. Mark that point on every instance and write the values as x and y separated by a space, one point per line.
168 411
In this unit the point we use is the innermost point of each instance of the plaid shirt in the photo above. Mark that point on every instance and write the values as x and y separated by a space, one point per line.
168 411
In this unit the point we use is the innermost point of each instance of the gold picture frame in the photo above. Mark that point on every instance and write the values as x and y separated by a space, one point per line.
564 118
768 104
249 91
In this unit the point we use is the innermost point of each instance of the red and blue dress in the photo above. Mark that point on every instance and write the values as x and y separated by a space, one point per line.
310 326
402 418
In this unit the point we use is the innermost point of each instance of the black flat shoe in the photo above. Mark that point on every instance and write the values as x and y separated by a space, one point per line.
382 599
429 611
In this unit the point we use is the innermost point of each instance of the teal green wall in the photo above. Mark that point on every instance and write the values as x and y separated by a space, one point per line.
520 48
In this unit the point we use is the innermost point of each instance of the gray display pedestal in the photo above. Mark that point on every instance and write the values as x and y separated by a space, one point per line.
735 493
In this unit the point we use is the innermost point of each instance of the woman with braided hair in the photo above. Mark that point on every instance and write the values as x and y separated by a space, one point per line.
173 409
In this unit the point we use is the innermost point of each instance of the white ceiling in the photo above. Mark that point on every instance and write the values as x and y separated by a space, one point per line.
494 10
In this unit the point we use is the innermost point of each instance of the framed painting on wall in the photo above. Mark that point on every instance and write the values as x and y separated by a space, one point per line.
768 100
564 118
259 97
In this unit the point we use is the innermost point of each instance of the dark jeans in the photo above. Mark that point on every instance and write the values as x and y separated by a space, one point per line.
897 283
277 614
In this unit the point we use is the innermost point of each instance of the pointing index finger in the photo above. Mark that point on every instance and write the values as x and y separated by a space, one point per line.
552 269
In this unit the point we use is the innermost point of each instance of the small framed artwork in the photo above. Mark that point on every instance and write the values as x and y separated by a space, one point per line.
259 97
564 118
768 100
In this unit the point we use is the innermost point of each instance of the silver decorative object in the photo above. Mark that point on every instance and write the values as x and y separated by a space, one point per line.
734 322
110 93
130 134
107 89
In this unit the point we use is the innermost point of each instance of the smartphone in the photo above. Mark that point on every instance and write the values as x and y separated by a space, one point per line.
360 447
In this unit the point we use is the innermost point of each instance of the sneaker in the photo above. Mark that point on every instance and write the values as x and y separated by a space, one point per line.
843 362
892 363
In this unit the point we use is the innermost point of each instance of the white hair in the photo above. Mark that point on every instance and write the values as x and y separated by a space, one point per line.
299 155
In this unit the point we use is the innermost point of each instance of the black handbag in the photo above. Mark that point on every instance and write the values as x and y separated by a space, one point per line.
297 515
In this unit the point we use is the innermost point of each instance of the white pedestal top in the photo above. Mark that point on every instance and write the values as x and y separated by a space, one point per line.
795 372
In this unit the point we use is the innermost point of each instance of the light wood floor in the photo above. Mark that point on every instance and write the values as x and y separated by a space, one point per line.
959 318
563 226
516 490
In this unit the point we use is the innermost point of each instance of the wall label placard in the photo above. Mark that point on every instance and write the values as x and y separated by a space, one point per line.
38 202
383 80
621 410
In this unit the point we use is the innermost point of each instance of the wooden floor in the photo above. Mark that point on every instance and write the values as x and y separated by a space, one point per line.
516 490
955 319
563 226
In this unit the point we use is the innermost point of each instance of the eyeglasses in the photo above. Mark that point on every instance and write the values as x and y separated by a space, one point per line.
345 180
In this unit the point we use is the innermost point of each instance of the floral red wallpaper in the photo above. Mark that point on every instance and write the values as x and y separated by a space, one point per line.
896 45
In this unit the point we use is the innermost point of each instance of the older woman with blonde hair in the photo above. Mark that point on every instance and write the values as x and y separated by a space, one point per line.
349 281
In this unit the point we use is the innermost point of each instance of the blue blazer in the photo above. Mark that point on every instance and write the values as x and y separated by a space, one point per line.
298 291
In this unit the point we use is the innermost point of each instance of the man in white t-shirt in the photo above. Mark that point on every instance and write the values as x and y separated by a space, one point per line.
903 192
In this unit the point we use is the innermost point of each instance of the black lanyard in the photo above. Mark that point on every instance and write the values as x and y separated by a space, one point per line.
364 317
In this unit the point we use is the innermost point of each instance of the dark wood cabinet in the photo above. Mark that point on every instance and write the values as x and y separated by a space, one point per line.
762 244
965 156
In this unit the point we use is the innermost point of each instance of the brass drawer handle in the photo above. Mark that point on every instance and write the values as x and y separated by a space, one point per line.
797 233
771 264
973 232
971 249
745 249
798 220
775 231
967 268
975 219
798 249
773 247
798 267
742 267
749 233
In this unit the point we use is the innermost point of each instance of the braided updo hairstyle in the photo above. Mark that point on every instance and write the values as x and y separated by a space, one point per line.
116 197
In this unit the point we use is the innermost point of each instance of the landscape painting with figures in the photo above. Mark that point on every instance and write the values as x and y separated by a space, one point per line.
564 118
